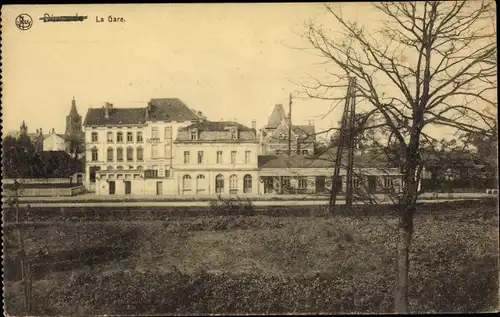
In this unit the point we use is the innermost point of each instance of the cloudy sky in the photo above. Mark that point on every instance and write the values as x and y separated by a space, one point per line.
230 61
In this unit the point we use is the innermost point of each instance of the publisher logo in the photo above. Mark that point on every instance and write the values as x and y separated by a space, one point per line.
24 21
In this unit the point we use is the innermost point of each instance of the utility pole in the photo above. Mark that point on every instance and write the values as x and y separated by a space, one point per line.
346 138
290 126
351 137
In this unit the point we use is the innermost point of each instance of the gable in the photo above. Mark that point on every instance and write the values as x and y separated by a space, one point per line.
54 137
281 129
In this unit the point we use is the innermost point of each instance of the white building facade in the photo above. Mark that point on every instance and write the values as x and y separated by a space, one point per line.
129 151
55 142
217 158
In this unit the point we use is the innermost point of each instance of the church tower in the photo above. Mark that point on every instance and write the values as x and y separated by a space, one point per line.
74 122
23 130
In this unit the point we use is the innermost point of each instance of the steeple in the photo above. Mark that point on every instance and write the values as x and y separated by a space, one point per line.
74 112
73 121
23 129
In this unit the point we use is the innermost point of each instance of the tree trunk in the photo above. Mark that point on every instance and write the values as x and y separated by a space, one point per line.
401 303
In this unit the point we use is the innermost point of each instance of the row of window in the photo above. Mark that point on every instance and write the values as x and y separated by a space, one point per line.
110 136
130 153
195 134
219 157
201 184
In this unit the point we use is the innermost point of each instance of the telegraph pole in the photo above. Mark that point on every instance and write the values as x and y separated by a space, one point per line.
346 139
290 126
350 156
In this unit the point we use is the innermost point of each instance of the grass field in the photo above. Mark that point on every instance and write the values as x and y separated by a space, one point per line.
256 264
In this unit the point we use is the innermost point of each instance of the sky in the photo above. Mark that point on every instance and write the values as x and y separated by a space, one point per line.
230 61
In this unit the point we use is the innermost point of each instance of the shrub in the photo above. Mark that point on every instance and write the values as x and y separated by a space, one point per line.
232 206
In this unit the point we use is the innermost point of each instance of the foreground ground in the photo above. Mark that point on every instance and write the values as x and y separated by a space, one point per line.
256 264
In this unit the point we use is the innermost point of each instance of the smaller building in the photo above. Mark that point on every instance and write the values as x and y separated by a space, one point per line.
300 174
55 142
217 158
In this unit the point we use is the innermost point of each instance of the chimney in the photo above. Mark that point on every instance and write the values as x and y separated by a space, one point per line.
147 111
254 125
36 131
41 132
106 110
53 131
200 114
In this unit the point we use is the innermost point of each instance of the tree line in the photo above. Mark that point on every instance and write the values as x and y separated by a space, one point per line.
21 159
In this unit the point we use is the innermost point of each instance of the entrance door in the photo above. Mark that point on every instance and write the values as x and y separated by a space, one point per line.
320 184
372 184
128 187
268 185
159 188
112 187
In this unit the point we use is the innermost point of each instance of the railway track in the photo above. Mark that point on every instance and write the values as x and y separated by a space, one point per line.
207 203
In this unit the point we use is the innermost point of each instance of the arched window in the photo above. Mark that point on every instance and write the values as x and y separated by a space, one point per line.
110 154
130 154
247 184
200 184
186 183
219 184
119 167
233 184
95 156
140 154
139 167
119 154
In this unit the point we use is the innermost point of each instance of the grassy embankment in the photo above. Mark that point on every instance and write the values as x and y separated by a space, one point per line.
216 263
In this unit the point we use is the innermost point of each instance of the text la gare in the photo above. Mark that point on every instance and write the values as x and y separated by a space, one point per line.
110 18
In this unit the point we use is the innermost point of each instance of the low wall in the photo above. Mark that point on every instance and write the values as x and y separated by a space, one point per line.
66 180
45 192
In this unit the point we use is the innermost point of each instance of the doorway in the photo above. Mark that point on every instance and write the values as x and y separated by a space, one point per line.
159 188
128 187
320 184
112 187
372 184
268 185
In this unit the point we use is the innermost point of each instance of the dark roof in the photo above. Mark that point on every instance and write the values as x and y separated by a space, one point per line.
293 161
161 109
171 109
215 126
304 129
96 116
305 132
276 116
326 160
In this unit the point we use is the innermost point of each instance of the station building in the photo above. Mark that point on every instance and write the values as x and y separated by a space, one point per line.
130 151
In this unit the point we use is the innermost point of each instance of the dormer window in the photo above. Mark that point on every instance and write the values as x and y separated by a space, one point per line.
234 133
194 134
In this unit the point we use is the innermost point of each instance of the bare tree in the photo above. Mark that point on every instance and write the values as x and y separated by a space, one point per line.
428 64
